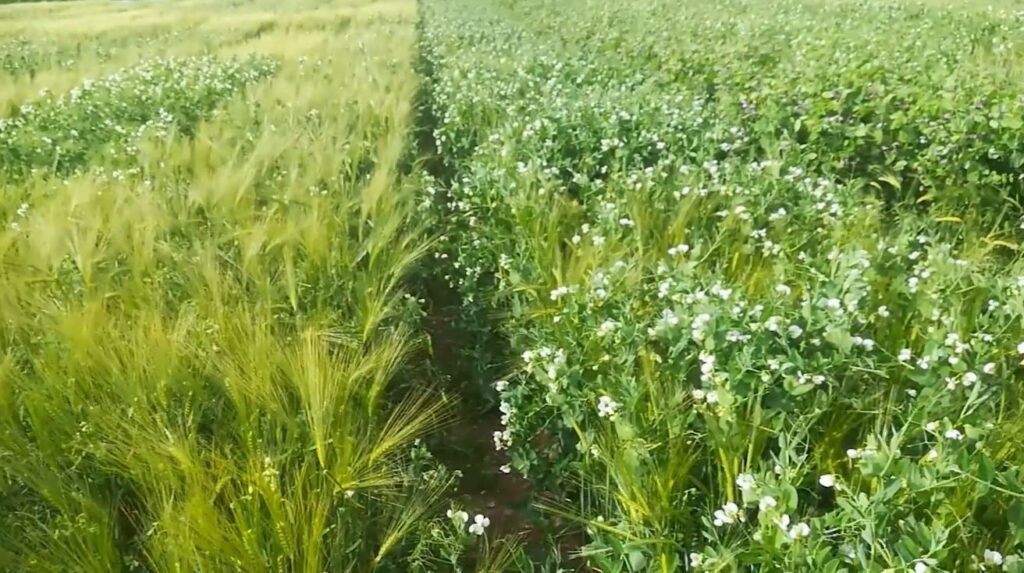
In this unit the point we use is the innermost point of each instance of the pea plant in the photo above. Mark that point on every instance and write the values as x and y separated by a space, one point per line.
757 269
105 118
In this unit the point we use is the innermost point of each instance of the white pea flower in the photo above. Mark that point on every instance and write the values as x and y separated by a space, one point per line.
664 288
669 318
920 567
953 434
736 336
707 364
699 395
607 327
904 355
799 531
923 364
745 482
783 522
970 378
506 410
606 407
931 426
827 480
559 292
883 311
712 397
505 469
834 304
795 331
700 321
680 249
727 515
989 368
932 455
480 523
696 560
502 439
721 292
782 289
853 453
501 385
993 557
460 516
767 503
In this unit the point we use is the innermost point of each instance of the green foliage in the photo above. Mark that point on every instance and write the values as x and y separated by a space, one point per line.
759 264
27 57
209 360
104 119
742 277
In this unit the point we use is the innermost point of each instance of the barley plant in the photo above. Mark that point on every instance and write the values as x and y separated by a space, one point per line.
209 353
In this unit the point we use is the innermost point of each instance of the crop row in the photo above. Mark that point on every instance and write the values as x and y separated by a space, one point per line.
107 117
209 357
27 57
756 267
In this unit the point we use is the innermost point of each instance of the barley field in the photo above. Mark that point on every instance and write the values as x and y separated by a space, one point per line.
207 236
511 285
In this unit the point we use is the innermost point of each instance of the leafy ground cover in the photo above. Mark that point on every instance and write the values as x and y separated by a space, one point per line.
756 266
108 116
511 285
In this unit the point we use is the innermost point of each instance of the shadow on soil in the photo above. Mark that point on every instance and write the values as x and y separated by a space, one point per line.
468 444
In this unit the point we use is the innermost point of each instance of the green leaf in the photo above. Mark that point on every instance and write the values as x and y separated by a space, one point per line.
839 338
625 430
1015 515
637 560
986 471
